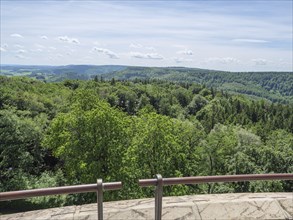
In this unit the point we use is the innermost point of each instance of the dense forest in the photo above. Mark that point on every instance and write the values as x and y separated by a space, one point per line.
75 131
272 86
276 87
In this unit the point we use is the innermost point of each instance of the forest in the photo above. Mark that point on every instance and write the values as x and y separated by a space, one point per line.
75 131
271 86
276 87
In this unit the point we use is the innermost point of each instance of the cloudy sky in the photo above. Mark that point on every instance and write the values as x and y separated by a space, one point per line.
225 35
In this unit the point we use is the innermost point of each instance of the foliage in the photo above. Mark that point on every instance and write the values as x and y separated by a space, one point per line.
273 86
90 139
74 132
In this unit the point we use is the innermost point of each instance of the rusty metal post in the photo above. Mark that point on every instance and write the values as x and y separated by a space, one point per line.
158 197
100 198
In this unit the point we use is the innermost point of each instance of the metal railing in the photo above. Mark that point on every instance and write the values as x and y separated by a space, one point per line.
159 182
99 187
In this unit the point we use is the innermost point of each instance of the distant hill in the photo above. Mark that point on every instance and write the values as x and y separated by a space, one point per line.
58 73
271 86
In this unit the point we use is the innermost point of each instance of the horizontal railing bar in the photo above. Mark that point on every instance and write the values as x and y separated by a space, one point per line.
13 195
112 186
211 179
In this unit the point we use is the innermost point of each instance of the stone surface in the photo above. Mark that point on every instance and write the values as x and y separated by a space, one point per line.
213 206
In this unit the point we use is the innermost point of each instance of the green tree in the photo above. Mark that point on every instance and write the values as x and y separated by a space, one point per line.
20 150
90 139
197 103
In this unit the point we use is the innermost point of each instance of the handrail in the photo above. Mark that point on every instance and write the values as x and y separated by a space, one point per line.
213 179
99 187
159 182
13 195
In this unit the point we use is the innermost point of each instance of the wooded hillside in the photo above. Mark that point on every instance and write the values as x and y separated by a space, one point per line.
276 87
75 131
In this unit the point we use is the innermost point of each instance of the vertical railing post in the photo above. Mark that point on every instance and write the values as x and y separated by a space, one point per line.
100 198
158 197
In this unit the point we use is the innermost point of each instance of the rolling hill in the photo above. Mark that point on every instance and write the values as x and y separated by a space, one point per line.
275 87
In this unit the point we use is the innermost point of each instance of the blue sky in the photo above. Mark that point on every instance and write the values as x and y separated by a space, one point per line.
225 35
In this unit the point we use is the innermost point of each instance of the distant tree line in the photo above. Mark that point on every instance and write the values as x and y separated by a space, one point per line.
273 86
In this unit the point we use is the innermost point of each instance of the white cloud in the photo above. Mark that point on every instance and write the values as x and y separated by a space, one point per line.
140 46
75 41
2 49
135 45
259 61
223 60
250 41
107 52
44 37
51 49
21 51
153 56
64 38
185 52
19 56
16 35
36 50
208 30
150 48
68 40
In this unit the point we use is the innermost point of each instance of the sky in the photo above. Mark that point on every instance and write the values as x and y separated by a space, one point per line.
224 35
